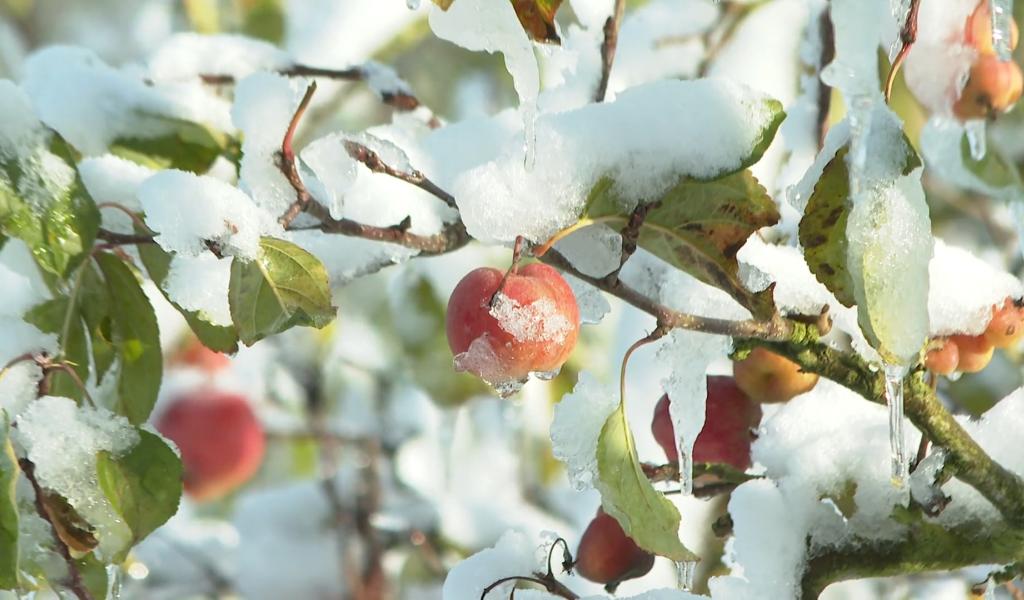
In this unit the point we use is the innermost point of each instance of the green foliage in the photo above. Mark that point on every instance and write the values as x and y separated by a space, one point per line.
8 508
61 316
143 485
645 515
44 203
823 229
186 145
264 19
285 286
214 337
136 338
94 575
698 227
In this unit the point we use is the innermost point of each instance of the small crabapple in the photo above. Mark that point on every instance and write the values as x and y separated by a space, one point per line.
502 335
729 417
1007 325
769 378
975 352
978 30
992 87
194 354
220 439
607 555
943 358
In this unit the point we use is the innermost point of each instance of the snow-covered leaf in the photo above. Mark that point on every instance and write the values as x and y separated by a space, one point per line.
143 485
186 146
8 509
699 226
285 286
137 339
44 203
538 19
214 337
645 515
823 229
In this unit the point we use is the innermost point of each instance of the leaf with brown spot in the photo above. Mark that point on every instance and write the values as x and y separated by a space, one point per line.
823 229
538 19
698 227
71 528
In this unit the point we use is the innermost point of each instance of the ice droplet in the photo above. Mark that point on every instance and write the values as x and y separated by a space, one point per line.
113 582
1002 16
894 375
975 129
685 572
412 4
529 134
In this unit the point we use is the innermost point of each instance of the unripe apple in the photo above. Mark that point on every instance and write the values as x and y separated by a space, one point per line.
975 352
1007 325
220 439
194 354
607 555
978 31
530 325
769 378
944 358
729 418
993 87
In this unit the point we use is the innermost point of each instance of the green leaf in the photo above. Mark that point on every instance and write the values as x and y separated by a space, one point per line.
44 203
993 169
137 339
264 19
62 316
766 136
823 229
698 227
187 146
538 19
95 303
645 514
94 575
285 286
143 485
214 337
8 508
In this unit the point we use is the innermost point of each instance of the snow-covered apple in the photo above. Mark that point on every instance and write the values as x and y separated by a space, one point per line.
767 377
503 328
943 357
607 555
220 439
730 417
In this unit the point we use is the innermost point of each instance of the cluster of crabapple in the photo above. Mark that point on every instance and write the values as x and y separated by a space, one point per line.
220 439
993 86
972 353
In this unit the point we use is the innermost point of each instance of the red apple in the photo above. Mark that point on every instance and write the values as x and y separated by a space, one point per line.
944 358
1007 325
607 555
220 439
768 377
975 352
194 354
729 417
530 325
993 87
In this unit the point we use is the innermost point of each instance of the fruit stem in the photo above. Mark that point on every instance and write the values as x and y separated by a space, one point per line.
517 255
908 35
659 332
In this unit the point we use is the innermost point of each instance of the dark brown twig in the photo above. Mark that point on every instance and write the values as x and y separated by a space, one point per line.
908 35
374 162
288 166
124 239
75 582
608 46
828 52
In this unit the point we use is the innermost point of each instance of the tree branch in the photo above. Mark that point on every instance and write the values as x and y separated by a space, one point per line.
828 52
374 162
908 35
288 166
75 582
608 46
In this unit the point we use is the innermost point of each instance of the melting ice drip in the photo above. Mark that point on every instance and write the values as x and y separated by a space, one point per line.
685 572
1002 16
894 375
685 468
975 129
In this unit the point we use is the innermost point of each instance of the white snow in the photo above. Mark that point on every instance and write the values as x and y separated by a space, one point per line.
576 427
186 210
114 180
187 55
639 136
538 321
333 169
938 64
62 440
200 284
514 554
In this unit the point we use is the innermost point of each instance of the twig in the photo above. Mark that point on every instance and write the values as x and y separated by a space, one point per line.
908 35
75 583
124 239
374 162
629 234
828 52
288 166
550 584
608 46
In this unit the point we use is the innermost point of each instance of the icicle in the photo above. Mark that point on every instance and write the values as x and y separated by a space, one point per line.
529 134
894 375
1002 16
685 572
412 4
975 129
113 582
685 468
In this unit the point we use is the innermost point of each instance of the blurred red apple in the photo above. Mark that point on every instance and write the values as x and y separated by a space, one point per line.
768 377
220 439
194 354
729 417
530 325
607 555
